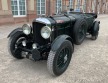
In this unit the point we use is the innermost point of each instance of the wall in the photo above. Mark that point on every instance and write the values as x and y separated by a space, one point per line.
5 12
31 10
6 16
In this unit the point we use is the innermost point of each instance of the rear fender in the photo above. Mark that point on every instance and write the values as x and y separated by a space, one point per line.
18 30
59 40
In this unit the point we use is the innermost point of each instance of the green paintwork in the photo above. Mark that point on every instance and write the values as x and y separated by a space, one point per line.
63 24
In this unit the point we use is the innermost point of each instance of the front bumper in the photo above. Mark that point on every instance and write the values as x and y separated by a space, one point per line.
32 54
35 52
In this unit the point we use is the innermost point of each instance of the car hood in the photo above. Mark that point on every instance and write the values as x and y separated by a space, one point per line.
55 19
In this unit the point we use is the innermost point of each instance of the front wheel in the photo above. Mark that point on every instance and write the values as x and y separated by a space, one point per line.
14 43
59 60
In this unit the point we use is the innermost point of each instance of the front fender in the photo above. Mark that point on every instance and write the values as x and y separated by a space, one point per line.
59 40
14 31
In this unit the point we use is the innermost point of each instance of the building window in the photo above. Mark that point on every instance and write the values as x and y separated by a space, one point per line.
78 4
93 6
70 3
41 7
58 6
78 9
84 6
18 8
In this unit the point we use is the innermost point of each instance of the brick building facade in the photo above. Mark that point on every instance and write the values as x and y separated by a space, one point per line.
16 11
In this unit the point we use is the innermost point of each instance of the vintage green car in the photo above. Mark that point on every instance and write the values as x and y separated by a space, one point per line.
52 38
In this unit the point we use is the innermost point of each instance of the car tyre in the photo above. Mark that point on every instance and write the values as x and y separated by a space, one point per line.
79 31
95 36
55 58
95 31
16 53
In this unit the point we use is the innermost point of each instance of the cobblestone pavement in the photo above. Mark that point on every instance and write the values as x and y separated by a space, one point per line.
89 63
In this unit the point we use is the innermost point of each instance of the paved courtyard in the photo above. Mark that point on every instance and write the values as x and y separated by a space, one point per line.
89 63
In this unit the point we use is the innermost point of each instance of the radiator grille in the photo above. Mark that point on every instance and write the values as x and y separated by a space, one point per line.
37 34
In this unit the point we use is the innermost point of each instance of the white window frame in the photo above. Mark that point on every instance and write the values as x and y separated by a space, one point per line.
70 3
84 6
19 10
78 4
57 6
40 8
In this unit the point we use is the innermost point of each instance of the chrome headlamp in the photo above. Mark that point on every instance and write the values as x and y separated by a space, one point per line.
45 32
26 29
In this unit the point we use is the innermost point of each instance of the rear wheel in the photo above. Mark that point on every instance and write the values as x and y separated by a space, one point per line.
94 37
95 31
79 31
59 60
14 43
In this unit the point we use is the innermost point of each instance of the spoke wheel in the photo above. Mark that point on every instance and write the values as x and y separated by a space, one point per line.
62 58
79 31
82 33
59 60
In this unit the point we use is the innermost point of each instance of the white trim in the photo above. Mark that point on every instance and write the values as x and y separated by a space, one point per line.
25 7
78 4
40 8
70 3
19 15
18 8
